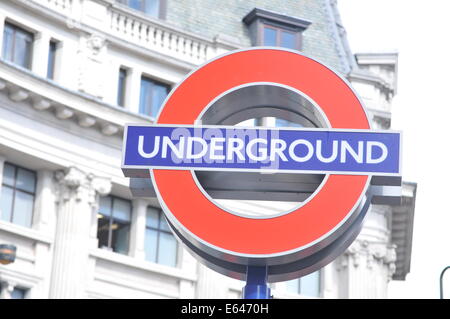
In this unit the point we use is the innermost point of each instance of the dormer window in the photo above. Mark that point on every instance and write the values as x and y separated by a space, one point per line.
279 37
153 8
269 28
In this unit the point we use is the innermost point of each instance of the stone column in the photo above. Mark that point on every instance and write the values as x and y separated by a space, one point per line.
133 84
210 284
2 164
137 233
189 265
43 218
368 264
77 200
39 62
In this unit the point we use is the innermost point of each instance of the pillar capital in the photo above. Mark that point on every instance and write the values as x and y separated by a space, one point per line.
84 186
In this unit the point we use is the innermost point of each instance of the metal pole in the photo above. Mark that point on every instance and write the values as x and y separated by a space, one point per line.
441 278
256 286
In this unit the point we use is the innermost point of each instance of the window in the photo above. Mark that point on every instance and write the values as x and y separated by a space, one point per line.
18 192
269 28
51 59
114 217
154 8
248 123
17 293
278 37
160 245
17 45
153 94
307 286
121 87
285 123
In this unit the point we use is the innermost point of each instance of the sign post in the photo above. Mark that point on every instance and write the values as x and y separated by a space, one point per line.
256 283
194 133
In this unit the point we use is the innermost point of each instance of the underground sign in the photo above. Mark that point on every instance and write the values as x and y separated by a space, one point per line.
339 144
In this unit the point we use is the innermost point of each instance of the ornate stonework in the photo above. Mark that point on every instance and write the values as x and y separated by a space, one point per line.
78 194
364 252
92 54
95 43
84 186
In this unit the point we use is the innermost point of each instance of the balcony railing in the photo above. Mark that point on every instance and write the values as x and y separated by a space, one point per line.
133 26
61 6
156 37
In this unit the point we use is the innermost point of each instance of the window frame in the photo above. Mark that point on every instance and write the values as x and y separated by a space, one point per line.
279 30
153 81
122 86
24 290
160 230
111 221
280 122
51 59
162 13
21 290
15 29
299 286
15 189
258 19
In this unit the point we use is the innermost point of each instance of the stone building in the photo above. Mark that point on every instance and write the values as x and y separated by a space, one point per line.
73 72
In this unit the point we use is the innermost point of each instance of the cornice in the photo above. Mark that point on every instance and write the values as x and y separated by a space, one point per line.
43 95
258 13
164 50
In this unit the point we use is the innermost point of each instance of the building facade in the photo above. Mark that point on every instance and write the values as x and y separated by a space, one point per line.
73 72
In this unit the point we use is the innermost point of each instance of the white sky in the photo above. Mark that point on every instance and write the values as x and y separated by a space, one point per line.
419 31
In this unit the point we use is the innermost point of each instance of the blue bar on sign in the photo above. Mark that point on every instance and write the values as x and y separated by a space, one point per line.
362 152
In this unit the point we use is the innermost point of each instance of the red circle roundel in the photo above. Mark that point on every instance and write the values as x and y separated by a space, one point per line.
237 238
